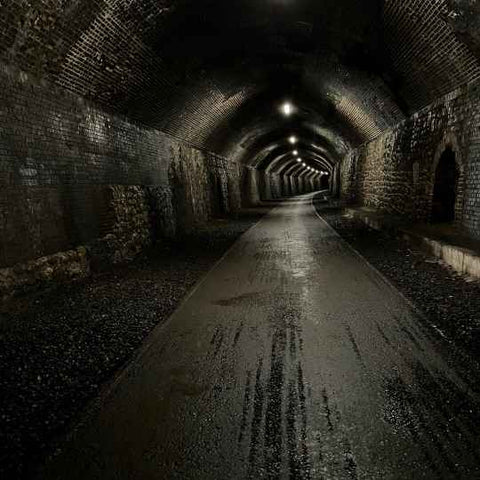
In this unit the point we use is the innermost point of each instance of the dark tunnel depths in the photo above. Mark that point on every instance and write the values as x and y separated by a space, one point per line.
264 142
297 159
266 138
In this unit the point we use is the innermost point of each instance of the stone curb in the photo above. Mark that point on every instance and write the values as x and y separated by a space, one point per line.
463 260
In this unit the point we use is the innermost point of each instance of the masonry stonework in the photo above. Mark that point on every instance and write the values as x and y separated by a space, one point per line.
74 176
395 172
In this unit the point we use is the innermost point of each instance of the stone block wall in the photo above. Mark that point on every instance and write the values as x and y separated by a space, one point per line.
275 185
395 172
73 176
249 185
126 226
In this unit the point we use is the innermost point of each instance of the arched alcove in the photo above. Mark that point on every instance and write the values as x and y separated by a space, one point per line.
445 188
447 182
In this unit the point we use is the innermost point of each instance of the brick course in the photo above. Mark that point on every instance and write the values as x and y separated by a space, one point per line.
395 172
69 170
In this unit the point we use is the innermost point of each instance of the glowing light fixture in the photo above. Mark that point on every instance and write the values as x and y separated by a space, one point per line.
299 159
292 140
287 109
304 164
295 152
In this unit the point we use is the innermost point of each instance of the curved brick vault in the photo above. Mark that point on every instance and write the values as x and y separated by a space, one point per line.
201 81
188 68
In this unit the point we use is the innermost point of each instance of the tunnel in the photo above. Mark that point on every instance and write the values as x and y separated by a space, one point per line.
239 239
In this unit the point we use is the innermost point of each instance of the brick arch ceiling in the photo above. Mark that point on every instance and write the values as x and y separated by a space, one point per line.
205 70
272 158
272 154
256 142
284 163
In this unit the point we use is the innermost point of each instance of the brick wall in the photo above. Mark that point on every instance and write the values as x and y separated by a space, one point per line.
395 172
106 51
71 174
428 54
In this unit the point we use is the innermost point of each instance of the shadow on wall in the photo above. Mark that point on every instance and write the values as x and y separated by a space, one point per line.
217 197
250 186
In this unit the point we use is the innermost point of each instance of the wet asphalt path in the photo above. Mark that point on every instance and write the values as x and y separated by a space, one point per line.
292 359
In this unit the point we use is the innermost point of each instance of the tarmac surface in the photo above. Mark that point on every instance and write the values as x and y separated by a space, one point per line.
292 359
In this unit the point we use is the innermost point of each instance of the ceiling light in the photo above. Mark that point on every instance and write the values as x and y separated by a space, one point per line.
303 164
292 139
299 159
287 109
295 152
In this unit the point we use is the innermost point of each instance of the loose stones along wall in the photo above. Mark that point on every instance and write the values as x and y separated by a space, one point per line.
72 175
395 172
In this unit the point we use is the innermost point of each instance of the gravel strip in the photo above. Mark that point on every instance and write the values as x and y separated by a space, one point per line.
59 347
450 301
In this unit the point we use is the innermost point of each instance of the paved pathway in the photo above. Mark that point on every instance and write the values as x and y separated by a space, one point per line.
292 359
